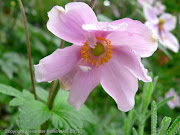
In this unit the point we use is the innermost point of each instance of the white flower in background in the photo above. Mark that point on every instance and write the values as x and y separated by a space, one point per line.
173 102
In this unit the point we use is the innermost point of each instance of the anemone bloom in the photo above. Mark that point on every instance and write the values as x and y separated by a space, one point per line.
161 27
175 101
102 52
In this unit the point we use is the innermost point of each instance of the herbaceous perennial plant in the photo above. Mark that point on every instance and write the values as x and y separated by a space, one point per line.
102 52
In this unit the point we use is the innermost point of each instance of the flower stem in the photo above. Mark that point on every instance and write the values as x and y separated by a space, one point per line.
62 43
92 3
28 48
54 93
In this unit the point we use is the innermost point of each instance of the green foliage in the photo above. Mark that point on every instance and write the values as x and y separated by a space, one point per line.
134 131
66 117
8 90
175 127
164 125
153 118
147 92
32 114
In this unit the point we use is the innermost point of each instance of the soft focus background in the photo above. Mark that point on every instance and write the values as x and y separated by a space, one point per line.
14 63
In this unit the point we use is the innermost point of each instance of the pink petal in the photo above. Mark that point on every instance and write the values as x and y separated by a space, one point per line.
67 80
137 36
57 64
159 7
83 83
67 23
170 21
150 14
132 62
169 41
120 84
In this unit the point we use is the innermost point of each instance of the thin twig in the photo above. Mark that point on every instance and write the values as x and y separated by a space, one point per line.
28 48
92 3
62 44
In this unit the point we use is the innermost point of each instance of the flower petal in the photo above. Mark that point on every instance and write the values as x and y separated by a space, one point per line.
67 23
57 64
150 14
137 36
120 84
83 83
170 21
132 62
169 41
102 29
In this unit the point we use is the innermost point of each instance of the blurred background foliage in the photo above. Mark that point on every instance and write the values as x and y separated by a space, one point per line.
14 64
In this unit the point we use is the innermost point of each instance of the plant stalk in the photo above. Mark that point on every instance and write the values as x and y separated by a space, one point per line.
92 3
28 48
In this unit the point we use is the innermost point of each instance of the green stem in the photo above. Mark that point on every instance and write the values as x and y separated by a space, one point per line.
28 48
62 43
52 95
92 3
141 129
55 91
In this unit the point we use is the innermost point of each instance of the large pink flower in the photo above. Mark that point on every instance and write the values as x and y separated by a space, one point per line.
106 53
161 27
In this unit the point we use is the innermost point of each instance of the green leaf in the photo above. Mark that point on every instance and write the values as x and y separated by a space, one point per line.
16 102
42 94
26 96
33 114
66 117
134 131
153 118
164 125
154 83
8 90
147 92
159 105
175 127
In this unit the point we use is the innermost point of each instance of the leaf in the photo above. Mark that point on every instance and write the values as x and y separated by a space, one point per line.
66 117
153 118
26 96
8 90
134 131
175 127
42 94
16 102
164 125
159 105
33 114
154 82
147 92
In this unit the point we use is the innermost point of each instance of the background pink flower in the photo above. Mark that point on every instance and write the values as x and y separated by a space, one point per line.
161 27
102 52
175 102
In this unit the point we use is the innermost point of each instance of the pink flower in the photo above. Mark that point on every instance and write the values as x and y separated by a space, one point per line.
106 53
175 101
144 2
161 27
159 7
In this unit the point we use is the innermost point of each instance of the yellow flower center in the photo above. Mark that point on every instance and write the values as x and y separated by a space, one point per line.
98 55
161 22
98 50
